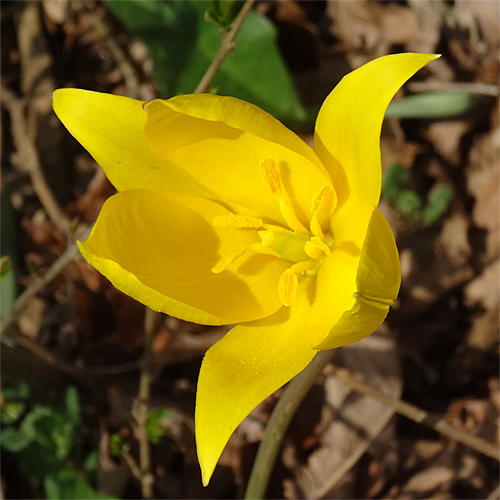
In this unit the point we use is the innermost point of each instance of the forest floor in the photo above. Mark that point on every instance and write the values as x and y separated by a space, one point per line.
438 349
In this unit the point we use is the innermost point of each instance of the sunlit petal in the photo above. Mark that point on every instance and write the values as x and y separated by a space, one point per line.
160 248
242 369
347 135
110 128
378 279
227 159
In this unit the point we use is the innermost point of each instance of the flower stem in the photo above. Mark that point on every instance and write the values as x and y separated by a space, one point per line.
226 46
140 409
290 400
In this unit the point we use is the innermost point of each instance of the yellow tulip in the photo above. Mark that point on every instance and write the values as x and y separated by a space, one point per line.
224 216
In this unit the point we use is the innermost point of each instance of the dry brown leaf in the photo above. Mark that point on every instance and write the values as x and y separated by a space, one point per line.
483 182
446 138
31 318
371 27
351 422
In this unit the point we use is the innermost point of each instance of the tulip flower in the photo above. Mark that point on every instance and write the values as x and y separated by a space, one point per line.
223 216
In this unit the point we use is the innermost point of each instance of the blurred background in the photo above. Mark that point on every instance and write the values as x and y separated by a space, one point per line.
72 344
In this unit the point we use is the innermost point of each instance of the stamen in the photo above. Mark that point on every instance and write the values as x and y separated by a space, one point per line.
322 207
315 248
287 287
271 175
227 260
237 221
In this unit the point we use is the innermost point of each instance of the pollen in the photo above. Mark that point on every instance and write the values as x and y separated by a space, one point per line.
322 207
237 221
271 175
227 260
287 287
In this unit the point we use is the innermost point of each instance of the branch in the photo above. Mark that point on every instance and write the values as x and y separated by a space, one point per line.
30 160
226 46
420 416
140 407
285 409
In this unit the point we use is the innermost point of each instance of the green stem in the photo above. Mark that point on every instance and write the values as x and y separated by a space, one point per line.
290 400
227 45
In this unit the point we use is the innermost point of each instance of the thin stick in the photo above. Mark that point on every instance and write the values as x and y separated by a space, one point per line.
30 160
288 403
140 409
420 416
226 46
62 261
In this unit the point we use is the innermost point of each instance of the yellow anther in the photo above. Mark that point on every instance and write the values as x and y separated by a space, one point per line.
322 207
237 221
227 260
315 248
287 287
271 175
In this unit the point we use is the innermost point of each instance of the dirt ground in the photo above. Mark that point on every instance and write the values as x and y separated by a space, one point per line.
438 349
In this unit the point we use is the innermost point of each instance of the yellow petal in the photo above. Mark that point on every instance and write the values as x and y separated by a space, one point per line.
244 116
215 140
378 279
160 249
110 128
347 135
241 370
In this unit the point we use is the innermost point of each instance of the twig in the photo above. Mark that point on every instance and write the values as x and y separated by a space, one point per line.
420 416
62 261
117 53
288 403
134 468
30 160
226 46
140 408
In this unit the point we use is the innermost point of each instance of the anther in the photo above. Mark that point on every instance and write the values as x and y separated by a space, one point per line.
271 175
287 287
322 207
227 260
237 221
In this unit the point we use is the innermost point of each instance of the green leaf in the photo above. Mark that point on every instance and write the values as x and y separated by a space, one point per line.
15 390
437 202
182 45
444 104
37 460
92 461
68 484
116 444
224 12
72 405
154 427
408 202
395 176
8 248
50 429
14 440
12 412
5 266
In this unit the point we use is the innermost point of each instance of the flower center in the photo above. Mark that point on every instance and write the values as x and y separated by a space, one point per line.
305 247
